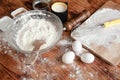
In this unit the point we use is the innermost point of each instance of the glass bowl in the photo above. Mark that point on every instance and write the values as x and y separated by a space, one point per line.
10 34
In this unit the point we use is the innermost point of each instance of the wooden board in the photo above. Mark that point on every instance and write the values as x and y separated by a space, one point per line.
110 49
11 67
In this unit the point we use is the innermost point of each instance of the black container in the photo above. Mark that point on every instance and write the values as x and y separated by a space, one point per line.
41 4
61 10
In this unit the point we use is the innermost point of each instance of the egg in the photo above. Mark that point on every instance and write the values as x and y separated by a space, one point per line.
87 58
68 57
77 47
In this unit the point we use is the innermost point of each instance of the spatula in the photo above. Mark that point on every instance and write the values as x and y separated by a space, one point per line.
30 60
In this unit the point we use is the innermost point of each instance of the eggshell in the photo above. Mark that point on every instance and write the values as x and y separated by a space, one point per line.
87 58
68 57
77 47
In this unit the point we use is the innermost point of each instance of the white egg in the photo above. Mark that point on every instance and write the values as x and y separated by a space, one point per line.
87 58
77 47
68 57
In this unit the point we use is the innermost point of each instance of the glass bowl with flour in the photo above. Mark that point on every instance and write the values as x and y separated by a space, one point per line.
34 25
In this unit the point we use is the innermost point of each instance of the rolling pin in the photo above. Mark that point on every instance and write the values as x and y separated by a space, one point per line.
71 24
111 23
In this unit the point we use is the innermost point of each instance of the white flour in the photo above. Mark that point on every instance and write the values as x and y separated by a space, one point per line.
33 30
93 32
64 42
49 69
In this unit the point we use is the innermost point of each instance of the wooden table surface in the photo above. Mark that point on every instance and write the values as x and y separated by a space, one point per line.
50 66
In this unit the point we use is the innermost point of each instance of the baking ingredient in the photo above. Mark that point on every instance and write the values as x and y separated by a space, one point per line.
64 42
87 58
36 29
90 32
68 57
77 72
103 41
77 47
40 71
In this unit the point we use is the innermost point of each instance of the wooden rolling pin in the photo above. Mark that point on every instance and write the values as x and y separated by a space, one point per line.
70 25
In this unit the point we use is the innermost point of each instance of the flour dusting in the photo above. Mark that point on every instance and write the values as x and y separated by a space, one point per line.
49 69
77 72
36 29
64 42
40 71
92 30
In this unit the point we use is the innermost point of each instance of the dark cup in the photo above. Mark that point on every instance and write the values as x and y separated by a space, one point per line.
41 5
61 10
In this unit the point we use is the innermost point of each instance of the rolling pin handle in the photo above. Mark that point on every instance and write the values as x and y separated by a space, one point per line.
77 20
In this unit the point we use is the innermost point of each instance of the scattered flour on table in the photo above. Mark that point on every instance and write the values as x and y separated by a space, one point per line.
23 78
78 72
4 46
65 44
36 29
36 73
31 72
92 32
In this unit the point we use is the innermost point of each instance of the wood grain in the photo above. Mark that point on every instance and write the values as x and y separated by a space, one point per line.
11 65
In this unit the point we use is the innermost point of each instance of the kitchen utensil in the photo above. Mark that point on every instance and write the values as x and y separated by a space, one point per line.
112 22
61 10
41 4
71 24
9 33
34 54
104 42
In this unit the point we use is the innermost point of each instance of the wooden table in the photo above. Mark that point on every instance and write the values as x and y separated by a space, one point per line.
50 66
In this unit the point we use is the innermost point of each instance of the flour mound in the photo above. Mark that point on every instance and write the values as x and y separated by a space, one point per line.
36 29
